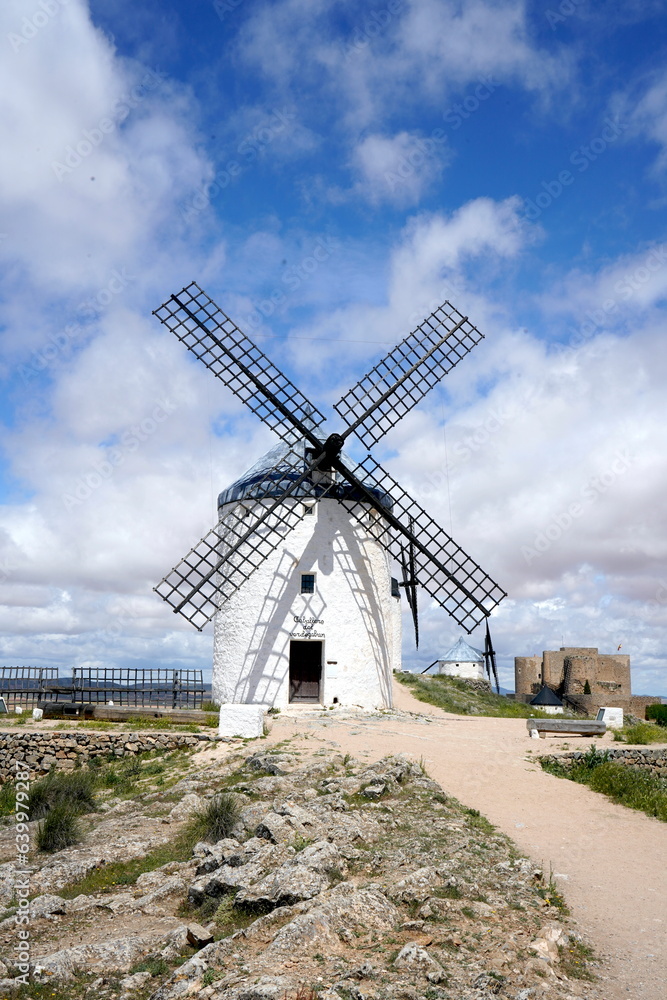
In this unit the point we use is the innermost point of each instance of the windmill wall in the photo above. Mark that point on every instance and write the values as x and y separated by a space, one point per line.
472 670
351 612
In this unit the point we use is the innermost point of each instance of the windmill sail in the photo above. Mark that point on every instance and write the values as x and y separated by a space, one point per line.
442 567
218 342
230 552
397 383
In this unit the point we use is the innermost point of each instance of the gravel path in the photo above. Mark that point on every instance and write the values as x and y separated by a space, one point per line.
611 862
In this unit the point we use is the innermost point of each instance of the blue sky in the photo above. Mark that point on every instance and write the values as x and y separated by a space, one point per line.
508 156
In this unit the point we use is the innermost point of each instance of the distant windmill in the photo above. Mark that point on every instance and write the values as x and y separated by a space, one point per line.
258 516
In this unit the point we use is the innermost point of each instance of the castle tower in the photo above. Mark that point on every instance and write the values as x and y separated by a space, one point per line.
319 621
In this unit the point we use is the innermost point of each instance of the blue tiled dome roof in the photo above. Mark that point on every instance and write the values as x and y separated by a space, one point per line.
275 471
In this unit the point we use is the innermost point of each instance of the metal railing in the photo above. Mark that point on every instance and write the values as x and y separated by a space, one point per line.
125 686
23 685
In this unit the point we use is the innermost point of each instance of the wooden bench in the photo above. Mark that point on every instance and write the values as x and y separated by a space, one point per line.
565 727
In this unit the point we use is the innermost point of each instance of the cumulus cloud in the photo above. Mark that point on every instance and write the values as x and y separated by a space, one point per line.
423 51
398 169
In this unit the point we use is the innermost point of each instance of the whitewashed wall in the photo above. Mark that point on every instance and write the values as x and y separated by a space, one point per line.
470 671
352 612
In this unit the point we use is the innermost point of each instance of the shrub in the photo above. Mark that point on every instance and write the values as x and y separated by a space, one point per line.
76 790
60 828
658 713
643 733
7 799
635 789
218 819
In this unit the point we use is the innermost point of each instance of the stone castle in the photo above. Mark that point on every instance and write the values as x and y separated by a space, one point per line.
582 677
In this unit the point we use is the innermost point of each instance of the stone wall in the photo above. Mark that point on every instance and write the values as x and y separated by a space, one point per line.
653 759
41 751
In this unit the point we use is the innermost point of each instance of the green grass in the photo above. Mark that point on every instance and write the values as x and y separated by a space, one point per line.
475 819
635 789
217 820
7 798
74 789
641 734
623 784
454 695
60 828
121 873
574 959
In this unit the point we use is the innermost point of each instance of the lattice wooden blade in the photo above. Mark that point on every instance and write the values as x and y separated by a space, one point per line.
442 567
394 386
230 553
233 358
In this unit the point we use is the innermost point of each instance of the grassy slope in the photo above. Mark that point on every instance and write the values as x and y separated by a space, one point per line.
454 695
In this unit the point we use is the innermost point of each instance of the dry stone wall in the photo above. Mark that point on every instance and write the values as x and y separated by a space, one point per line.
653 759
42 751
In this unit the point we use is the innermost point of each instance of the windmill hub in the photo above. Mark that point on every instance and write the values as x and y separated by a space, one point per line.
332 447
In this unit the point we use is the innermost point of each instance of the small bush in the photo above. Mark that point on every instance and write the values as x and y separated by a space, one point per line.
644 733
60 828
75 790
7 799
218 819
658 713
635 789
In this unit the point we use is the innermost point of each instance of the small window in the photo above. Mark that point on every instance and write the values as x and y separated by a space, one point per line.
307 583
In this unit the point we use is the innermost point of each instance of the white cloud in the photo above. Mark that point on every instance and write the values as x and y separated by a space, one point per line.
425 52
398 169
649 115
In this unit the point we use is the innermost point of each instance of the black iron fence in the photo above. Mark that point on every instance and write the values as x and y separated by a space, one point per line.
137 687
23 685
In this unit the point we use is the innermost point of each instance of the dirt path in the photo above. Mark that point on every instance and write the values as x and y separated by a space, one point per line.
610 862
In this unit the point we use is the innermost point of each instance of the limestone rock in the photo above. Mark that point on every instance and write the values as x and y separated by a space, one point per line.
198 936
212 856
288 885
551 937
279 829
345 909
130 984
187 807
416 887
414 958
47 906
320 856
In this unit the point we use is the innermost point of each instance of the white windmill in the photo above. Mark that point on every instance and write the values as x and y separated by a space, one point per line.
297 572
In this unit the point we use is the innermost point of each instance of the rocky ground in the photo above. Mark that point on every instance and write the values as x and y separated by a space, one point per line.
341 881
